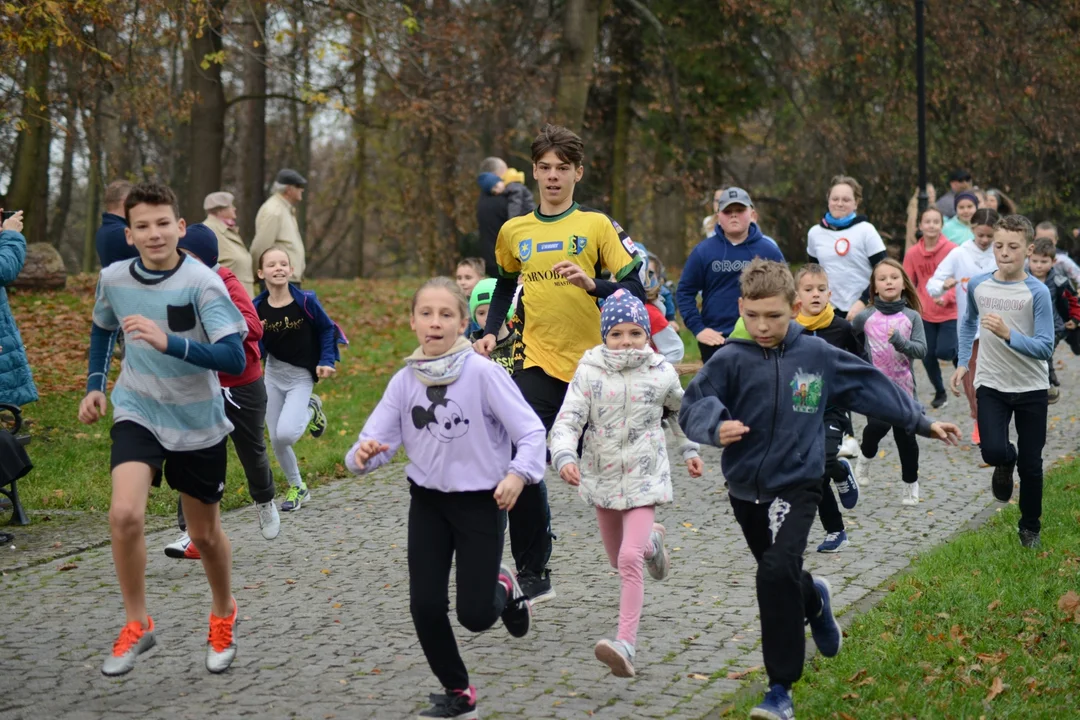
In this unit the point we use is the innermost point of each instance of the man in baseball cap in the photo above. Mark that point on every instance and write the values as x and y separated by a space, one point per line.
276 226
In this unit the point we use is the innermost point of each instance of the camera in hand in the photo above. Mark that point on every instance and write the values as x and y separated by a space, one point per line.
6 214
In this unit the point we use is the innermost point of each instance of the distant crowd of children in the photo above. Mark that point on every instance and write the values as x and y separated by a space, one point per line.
580 324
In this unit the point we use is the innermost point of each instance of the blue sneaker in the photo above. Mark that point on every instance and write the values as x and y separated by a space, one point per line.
849 488
776 705
834 542
823 628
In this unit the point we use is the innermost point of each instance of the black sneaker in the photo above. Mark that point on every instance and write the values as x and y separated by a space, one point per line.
517 614
455 705
940 400
1002 484
536 587
1029 538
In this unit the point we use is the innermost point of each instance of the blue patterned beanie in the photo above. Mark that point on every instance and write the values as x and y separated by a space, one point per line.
623 307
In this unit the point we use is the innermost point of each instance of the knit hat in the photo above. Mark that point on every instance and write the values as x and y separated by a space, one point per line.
201 242
622 307
482 293
966 195
487 181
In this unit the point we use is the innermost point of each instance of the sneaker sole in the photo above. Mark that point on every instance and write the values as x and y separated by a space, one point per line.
758 714
174 553
543 597
467 715
606 653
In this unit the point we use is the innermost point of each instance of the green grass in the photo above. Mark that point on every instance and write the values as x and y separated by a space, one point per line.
973 630
71 461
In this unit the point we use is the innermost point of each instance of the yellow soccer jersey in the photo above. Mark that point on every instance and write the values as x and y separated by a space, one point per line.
562 320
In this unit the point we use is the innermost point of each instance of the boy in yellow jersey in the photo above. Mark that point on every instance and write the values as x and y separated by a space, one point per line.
559 250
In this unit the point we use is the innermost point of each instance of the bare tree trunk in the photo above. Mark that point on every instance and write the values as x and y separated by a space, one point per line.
360 119
581 26
669 216
71 137
117 150
29 188
621 152
93 191
253 154
206 127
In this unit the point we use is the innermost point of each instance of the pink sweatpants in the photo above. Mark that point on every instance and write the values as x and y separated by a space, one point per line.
626 536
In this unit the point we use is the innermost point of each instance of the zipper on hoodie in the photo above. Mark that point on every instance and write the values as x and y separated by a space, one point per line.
776 411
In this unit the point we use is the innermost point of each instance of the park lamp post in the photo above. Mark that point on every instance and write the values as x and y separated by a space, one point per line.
920 79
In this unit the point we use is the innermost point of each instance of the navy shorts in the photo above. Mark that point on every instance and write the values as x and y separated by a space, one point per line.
198 473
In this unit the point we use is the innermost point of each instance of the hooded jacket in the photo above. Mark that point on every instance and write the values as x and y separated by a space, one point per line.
713 269
920 265
781 394
16 383
328 332
961 264
622 395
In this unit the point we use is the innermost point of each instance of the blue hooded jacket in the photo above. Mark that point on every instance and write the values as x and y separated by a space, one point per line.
16 383
713 269
327 332
781 394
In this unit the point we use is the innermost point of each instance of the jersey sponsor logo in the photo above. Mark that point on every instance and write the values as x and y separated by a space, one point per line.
541 275
736 266
629 245
549 246
525 249
842 246
577 244
806 392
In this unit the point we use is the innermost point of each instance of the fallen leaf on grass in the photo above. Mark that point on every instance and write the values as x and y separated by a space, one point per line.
1069 603
850 696
994 658
996 688
740 674
697 676
993 606
865 681
857 675
843 715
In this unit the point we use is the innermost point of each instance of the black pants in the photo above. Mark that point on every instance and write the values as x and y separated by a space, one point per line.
836 424
469 524
907 445
941 344
996 409
245 406
707 351
776 533
530 519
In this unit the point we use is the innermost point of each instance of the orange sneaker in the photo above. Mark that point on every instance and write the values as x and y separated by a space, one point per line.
975 435
134 640
183 549
221 647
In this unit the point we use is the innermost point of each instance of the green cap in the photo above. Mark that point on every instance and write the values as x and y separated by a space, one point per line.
481 295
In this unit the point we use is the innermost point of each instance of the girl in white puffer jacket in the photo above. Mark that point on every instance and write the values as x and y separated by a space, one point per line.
622 390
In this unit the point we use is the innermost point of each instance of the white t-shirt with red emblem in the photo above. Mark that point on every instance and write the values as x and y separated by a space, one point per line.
845 255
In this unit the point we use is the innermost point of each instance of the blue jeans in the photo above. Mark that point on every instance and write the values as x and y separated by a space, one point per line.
940 345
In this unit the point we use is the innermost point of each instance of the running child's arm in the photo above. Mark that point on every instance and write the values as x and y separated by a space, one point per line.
968 328
328 354
574 413
101 350
103 332
1041 345
688 449
690 284
226 355
383 427
669 344
703 412
504 400
915 346
501 298
632 283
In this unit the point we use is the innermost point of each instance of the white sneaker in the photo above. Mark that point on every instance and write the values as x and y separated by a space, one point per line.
182 549
849 448
911 493
862 470
269 520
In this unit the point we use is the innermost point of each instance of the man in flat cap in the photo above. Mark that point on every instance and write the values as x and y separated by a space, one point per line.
276 226
232 252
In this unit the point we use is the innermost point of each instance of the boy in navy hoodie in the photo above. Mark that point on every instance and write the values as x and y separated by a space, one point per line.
714 267
764 400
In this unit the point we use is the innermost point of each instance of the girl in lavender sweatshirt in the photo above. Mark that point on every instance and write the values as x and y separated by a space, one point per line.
457 415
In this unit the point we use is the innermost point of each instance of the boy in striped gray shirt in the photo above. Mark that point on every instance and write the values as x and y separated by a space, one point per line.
181 328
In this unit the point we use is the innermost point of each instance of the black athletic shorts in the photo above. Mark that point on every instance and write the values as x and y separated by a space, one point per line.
198 473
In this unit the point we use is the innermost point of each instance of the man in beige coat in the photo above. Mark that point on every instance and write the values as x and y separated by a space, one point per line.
232 252
276 226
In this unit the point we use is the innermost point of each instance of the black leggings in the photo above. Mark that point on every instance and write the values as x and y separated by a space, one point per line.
996 410
907 445
469 524
836 424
